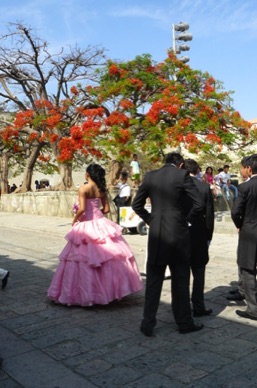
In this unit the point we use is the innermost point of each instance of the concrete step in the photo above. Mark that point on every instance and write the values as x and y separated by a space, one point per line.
224 223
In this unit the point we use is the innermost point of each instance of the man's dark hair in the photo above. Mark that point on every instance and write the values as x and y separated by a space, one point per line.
253 163
191 166
245 161
174 158
226 166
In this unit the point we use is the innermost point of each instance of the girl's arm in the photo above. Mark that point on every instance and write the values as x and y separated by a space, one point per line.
82 205
105 204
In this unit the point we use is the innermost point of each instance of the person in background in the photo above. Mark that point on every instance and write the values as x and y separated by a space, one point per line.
238 293
168 239
244 216
37 185
217 177
201 232
135 171
4 275
47 186
208 177
13 188
225 183
124 196
199 174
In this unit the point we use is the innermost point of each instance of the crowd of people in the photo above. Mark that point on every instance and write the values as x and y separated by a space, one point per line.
219 182
176 237
97 265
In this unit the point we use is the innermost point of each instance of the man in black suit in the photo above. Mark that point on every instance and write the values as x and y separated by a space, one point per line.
169 239
244 215
201 232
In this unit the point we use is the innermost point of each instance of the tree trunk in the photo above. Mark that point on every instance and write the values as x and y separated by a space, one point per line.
4 173
28 172
66 183
114 173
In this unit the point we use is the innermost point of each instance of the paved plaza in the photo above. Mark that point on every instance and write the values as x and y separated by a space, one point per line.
44 345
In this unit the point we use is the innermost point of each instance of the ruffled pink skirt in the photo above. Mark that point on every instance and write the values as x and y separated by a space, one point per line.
96 266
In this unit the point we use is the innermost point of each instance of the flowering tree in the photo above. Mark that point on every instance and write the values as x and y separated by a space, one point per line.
37 85
149 107
135 106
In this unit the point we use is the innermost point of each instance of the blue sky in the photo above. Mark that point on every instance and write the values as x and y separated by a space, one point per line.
224 33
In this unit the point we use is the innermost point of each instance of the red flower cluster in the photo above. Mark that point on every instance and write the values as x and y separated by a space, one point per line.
53 120
137 83
192 142
66 147
126 104
123 136
114 70
208 87
160 107
117 118
184 122
96 112
9 133
23 118
41 104
76 133
211 137
74 90
53 138
32 137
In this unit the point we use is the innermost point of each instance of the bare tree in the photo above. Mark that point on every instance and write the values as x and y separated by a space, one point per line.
29 72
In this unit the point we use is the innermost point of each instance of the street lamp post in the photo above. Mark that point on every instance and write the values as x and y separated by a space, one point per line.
179 34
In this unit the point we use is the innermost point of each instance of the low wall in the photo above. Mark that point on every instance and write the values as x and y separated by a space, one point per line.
52 203
60 203
48 203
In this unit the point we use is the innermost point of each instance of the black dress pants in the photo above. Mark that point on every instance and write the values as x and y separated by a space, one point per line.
180 274
198 288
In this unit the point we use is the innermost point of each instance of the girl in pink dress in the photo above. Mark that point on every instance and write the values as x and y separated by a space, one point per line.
96 265
208 177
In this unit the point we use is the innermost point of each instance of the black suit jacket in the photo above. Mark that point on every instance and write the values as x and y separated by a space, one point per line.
202 227
244 215
167 188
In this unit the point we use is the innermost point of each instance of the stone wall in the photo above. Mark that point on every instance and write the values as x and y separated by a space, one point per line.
48 203
52 203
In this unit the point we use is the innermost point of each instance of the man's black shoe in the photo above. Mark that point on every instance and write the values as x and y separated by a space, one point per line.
5 280
233 291
235 296
244 314
201 313
192 328
147 331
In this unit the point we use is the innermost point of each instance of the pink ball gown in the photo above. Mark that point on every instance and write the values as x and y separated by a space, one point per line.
96 265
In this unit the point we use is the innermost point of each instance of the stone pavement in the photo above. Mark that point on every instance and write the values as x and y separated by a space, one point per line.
48 345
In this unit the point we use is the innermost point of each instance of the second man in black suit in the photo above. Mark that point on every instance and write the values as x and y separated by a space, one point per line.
201 232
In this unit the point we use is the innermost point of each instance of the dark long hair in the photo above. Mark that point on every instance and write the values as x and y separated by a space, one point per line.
210 169
97 174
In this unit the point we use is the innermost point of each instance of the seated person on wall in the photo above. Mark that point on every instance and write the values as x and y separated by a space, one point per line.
208 178
225 183
37 185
